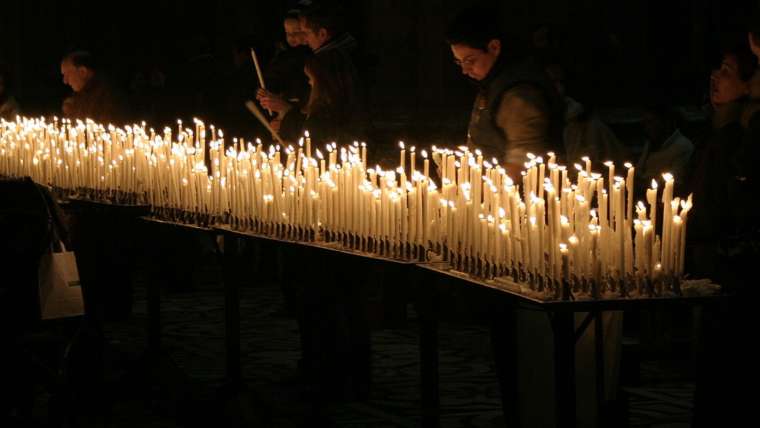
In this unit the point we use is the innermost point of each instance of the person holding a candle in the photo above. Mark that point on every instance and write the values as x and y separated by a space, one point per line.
286 83
517 109
321 29
335 100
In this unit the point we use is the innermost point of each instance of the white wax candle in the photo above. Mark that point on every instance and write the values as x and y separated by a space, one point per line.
402 156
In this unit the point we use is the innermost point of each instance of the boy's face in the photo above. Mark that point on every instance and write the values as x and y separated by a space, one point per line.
293 34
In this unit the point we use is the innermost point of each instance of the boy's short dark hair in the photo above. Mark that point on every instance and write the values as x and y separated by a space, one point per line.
746 61
327 15
81 59
475 26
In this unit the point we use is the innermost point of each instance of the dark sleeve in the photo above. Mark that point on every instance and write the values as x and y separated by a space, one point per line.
292 126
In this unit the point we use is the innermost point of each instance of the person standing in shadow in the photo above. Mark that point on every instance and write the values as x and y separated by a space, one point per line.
95 96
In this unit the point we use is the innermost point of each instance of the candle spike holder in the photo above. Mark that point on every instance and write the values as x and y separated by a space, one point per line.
676 288
566 293
540 284
521 275
622 290
475 267
574 283
593 291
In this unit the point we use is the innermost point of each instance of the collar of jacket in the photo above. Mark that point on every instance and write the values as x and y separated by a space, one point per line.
344 41
498 66
728 113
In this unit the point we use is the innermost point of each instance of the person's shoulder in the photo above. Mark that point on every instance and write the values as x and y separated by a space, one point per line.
523 95
750 114
682 142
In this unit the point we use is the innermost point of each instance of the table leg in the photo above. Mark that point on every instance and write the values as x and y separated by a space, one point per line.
428 307
599 366
154 316
504 344
563 324
231 312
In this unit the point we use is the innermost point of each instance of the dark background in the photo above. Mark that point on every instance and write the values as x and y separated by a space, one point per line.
616 53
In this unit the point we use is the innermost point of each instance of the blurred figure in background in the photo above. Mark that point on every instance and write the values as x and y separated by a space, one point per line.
9 107
666 148
95 97
584 133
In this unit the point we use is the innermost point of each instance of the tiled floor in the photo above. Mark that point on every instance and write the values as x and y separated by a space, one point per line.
186 387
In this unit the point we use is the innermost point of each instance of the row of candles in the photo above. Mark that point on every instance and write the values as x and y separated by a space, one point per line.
556 235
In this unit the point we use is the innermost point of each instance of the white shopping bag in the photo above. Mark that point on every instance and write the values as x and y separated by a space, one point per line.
60 290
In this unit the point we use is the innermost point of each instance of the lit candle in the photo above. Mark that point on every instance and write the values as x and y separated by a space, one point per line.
412 160
685 208
610 182
425 166
564 253
308 144
676 247
667 196
321 163
402 157
652 200
629 192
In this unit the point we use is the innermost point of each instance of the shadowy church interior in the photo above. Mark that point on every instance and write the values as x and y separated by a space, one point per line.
325 213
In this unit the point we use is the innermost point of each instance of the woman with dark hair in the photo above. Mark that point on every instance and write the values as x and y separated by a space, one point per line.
8 106
334 110
720 170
